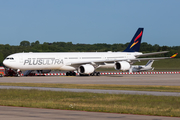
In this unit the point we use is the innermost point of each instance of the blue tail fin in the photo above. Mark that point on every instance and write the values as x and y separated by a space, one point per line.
135 43
149 63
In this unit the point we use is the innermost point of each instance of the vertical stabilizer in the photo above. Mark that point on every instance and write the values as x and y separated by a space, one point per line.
135 43
149 63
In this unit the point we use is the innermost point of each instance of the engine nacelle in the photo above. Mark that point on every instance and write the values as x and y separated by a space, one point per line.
86 69
123 65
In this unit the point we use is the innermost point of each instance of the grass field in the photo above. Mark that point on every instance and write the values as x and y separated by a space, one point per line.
113 103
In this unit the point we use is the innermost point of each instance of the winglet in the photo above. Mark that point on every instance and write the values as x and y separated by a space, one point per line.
173 56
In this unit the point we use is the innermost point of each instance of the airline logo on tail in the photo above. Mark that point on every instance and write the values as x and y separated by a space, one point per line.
135 40
135 43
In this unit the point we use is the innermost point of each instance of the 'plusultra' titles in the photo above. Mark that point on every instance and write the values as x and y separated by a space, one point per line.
43 61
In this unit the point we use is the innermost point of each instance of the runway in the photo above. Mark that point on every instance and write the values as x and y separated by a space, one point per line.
21 113
164 79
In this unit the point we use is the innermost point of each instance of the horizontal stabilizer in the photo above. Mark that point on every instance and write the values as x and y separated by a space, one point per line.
173 56
157 58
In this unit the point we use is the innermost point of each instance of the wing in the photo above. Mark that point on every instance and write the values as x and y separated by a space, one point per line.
153 53
103 62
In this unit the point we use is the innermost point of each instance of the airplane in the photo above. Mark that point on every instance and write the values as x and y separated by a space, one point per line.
138 68
84 63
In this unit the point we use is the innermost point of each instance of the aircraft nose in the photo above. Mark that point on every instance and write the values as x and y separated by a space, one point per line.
5 63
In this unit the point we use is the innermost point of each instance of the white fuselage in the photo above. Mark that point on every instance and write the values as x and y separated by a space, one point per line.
64 60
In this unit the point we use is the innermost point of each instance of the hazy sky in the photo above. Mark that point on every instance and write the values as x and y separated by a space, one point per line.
89 21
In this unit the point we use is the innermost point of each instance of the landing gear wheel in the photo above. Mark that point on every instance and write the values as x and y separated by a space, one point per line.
74 74
84 74
92 74
67 73
95 74
98 74
70 73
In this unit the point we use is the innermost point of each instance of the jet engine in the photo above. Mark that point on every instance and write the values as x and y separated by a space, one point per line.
86 69
123 65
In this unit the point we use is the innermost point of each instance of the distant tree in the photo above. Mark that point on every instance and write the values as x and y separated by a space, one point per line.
25 43
1 58
156 47
146 47
164 48
35 43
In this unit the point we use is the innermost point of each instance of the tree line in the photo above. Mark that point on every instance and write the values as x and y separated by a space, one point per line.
26 46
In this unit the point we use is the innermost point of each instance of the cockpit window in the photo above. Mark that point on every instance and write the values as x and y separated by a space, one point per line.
9 58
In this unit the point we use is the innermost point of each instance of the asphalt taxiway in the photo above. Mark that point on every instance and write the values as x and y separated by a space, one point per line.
160 79
21 113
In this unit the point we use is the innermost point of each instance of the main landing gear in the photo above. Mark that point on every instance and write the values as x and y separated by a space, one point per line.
92 74
71 73
95 74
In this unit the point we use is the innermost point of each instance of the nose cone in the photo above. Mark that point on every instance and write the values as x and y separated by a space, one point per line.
5 63
8 63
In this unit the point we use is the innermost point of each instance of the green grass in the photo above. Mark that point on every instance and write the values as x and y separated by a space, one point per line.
99 86
159 65
112 103
167 64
